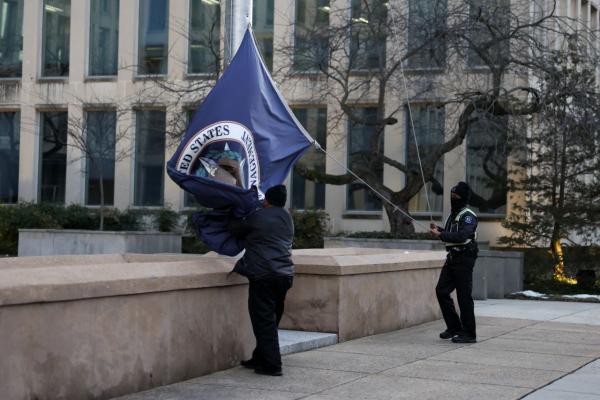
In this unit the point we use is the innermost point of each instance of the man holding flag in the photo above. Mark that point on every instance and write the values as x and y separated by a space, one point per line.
243 140
267 263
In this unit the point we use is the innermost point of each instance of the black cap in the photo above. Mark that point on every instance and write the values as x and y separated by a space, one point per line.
277 195
463 190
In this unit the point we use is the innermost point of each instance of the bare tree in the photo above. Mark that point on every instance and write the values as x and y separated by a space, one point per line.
562 186
472 57
101 142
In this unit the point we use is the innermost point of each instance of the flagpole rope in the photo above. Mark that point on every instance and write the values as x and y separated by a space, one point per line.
358 178
412 124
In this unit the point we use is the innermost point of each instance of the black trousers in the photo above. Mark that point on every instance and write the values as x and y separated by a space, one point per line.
457 273
265 303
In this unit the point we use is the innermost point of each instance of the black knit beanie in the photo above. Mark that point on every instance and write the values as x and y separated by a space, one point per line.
463 190
277 195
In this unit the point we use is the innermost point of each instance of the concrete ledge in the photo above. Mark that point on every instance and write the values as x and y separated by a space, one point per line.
296 341
101 331
408 244
41 242
96 327
361 292
496 273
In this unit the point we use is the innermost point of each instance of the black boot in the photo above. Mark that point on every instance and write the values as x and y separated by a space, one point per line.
448 334
251 363
464 338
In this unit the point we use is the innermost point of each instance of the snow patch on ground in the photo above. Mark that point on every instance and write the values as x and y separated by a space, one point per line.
531 293
583 296
536 295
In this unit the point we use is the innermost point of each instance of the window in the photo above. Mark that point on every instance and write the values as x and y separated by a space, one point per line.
489 30
100 163
368 34
9 157
307 194
359 197
262 15
104 37
149 158
487 154
53 171
57 26
427 21
205 22
153 37
11 38
429 123
311 45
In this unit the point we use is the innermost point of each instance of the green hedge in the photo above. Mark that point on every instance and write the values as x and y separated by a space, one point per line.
52 216
21 216
310 227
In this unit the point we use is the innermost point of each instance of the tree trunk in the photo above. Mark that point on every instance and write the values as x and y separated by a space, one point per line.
399 223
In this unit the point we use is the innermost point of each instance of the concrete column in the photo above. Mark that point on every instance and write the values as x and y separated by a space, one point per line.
80 23
124 167
76 162
128 32
173 194
29 154
179 23
29 141
283 31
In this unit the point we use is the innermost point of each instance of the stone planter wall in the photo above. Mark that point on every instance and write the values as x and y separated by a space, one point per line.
43 242
360 292
496 273
100 326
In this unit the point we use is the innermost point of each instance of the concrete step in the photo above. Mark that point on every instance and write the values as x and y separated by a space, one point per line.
297 341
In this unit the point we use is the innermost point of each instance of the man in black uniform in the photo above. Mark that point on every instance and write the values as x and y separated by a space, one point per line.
267 263
459 235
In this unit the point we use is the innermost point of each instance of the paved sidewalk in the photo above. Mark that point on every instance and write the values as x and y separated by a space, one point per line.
513 358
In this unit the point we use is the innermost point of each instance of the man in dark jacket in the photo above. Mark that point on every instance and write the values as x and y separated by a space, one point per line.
459 235
267 263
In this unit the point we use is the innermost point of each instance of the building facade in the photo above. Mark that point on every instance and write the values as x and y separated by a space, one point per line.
97 65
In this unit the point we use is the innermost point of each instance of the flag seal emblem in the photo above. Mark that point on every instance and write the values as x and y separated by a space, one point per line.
223 151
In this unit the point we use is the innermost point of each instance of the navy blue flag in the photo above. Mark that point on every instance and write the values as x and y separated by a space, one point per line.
242 140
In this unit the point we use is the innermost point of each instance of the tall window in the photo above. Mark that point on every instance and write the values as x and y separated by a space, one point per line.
429 129
308 194
263 12
426 25
487 153
9 157
489 29
359 197
100 163
11 38
153 37
149 158
53 171
205 23
368 34
104 37
311 45
57 27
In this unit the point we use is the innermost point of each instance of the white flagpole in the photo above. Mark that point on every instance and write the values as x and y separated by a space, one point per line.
238 14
